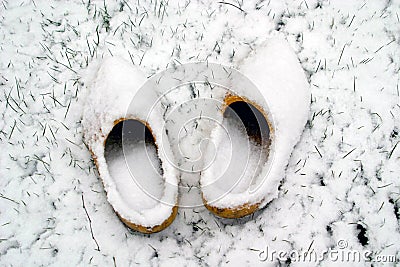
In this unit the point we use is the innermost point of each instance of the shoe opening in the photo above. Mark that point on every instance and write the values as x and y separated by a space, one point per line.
133 164
243 143
127 133
131 131
253 120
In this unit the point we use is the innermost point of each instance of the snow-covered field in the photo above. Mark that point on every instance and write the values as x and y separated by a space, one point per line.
342 188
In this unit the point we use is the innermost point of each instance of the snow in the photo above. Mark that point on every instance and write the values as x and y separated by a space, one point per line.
343 171
139 182
236 167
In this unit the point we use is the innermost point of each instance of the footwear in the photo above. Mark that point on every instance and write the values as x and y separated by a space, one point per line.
258 133
123 134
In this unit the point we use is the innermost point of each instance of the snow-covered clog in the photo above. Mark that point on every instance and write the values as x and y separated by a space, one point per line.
259 131
123 131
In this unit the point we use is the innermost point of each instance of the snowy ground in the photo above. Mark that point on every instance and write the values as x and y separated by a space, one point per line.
342 188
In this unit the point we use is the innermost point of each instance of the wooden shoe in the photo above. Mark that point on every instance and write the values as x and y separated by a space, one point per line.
257 134
124 139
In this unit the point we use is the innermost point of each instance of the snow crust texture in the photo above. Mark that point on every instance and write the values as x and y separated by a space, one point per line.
342 180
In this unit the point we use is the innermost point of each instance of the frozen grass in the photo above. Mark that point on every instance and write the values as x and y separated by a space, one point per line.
342 179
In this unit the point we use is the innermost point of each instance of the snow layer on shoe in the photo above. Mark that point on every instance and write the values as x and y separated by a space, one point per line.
139 183
113 85
276 72
238 162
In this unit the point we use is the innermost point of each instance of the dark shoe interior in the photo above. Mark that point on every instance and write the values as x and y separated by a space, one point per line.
253 120
127 132
131 131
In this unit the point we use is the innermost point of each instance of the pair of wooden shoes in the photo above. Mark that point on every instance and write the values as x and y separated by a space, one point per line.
130 146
